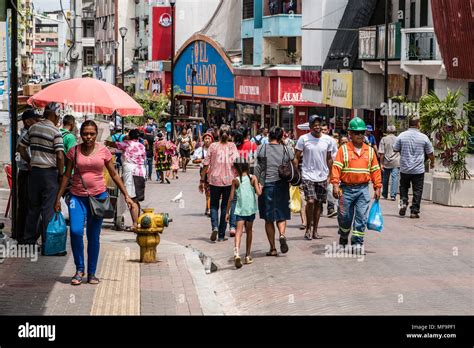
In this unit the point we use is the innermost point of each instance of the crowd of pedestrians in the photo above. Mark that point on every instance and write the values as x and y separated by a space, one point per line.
240 175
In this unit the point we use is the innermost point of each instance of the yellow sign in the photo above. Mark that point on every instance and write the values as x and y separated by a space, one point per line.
337 89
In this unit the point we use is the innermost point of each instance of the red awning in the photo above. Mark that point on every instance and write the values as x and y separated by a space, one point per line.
453 23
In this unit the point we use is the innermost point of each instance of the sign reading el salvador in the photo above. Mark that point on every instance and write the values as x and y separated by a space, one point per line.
214 77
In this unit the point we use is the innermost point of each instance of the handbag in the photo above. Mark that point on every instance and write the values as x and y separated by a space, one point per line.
100 208
287 171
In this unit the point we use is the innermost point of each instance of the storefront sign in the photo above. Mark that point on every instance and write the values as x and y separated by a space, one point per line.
311 77
367 43
291 92
154 66
252 89
337 89
161 33
214 77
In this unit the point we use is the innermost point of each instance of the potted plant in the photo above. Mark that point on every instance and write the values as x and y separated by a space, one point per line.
447 122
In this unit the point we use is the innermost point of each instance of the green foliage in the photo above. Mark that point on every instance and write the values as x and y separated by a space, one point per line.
153 106
446 120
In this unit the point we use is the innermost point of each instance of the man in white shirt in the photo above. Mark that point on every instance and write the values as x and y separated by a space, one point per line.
316 149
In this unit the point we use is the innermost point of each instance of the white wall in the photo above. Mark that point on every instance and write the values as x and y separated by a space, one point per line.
316 43
441 88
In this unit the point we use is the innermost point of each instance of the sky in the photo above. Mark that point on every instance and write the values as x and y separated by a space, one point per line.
49 5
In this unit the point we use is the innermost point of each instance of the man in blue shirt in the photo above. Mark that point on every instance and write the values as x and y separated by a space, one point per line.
168 130
413 145
370 138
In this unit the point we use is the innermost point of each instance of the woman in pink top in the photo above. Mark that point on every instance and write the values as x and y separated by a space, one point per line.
218 165
87 160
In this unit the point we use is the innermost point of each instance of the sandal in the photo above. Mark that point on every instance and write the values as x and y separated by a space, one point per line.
92 279
77 279
272 252
283 245
302 227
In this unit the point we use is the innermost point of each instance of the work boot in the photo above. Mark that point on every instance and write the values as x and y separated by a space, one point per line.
343 241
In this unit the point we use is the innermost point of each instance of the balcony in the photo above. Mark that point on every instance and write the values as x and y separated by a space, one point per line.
420 53
282 25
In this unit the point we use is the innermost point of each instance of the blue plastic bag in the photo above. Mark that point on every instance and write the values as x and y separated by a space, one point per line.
375 222
56 235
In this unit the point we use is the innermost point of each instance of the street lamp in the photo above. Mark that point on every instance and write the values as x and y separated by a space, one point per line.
193 74
49 64
123 33
172 3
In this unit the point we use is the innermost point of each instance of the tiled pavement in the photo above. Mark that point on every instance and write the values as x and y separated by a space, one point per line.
413 267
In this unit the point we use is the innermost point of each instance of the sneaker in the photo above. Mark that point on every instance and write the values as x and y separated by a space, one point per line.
214 234
237 261
232 232
248 260
393 198
222 239
308 236
402 211
358 249
414 216
332 213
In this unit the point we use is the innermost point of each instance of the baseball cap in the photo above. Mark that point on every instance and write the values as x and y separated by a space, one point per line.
370 128
314 118
29 114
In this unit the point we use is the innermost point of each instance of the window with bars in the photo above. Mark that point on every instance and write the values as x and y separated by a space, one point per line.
248 51
248 9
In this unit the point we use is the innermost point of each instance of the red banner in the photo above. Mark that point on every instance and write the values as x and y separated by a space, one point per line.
161 35
291 92
252 89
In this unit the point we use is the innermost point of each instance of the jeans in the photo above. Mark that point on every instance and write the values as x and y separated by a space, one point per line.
353 212
218 192
42 189
232 220
149 167
388 173
417 181
79 212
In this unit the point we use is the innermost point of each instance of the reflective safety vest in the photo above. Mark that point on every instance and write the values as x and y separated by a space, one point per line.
351 168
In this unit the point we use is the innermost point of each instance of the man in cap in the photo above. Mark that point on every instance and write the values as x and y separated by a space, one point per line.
389 163
317 160
47 167
370 138
29 118
355 166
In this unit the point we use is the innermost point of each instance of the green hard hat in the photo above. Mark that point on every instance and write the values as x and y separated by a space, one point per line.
357 124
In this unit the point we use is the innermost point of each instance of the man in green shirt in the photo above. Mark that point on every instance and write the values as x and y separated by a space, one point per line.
69 123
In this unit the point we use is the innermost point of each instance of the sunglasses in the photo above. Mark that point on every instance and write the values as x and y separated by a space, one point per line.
358 132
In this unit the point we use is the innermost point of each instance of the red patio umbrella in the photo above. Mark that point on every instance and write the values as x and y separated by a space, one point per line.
89 96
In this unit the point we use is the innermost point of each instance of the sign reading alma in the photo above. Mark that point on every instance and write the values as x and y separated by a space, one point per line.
213 77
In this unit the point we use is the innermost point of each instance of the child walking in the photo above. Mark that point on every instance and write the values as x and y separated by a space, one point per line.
244 187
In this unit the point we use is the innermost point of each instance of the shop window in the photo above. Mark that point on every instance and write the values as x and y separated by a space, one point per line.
424 13
291 44
287 117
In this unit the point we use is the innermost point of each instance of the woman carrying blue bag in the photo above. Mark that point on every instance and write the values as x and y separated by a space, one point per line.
89 198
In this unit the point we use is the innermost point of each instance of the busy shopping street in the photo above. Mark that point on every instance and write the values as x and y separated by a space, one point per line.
218 160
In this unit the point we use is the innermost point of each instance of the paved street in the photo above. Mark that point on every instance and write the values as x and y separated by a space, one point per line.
413 267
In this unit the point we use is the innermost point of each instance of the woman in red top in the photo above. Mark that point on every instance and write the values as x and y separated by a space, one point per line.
88 161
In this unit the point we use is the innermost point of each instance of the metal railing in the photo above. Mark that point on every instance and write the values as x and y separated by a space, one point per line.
420 44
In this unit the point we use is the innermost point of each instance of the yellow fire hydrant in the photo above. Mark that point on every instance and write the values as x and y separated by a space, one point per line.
148 238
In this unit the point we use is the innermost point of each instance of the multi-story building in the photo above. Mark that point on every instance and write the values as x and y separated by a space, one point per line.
26 37
268 87
50 45
110 15
88 33
344 56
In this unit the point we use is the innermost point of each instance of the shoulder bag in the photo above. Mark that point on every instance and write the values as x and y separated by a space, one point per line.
100 208
287 171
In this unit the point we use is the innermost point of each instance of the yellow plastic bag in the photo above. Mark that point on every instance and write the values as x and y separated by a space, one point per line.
295 199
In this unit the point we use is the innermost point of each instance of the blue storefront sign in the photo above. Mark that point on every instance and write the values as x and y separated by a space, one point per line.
214 77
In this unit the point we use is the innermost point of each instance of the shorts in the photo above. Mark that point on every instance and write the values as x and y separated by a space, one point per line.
185 153
250 218
315 190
